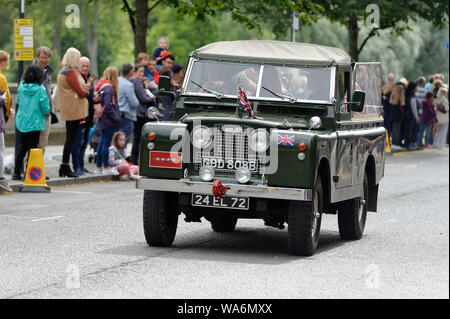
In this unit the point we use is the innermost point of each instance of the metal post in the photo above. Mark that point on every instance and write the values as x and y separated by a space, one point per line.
21 16
20 73
293 27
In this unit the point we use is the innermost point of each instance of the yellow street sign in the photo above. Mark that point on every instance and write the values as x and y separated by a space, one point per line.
23 40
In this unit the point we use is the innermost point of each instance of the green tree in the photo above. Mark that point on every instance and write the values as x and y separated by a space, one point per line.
250 13
393 15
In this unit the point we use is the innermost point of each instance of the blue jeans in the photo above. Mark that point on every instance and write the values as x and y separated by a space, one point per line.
127 127
103 147
79 147
428 134
421 130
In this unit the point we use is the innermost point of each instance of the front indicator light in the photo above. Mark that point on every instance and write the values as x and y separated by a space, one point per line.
302 147
151 136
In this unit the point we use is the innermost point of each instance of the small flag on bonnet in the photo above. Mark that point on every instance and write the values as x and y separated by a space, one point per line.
245 104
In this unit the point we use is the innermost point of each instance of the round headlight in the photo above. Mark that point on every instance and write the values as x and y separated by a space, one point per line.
243 175
258 141
151 146
201 137
315 122
206 173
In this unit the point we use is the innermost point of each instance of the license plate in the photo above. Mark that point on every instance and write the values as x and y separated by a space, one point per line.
224 202
229 164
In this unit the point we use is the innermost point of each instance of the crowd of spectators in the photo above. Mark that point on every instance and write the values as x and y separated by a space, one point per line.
114 107
416 113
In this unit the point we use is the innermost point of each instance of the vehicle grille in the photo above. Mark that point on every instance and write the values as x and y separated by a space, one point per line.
230 146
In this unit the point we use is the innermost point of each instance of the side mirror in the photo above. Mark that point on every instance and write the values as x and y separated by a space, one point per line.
164 83
164 87
358 99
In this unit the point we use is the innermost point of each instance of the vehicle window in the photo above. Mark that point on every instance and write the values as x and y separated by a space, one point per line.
223 77
343 90
298 83
368 79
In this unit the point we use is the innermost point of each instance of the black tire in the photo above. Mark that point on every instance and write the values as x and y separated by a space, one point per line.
352 215
304 225
160 222
223 224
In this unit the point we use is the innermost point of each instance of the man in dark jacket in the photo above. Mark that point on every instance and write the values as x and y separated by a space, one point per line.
43 55
145 101
82 138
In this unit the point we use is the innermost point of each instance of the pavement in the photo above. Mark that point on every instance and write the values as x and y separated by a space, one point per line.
87 241
52 162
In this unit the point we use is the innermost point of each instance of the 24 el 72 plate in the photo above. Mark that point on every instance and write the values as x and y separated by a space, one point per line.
224 202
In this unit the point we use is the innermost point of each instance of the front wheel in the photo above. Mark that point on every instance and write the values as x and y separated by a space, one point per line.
352 214
160 220
304 220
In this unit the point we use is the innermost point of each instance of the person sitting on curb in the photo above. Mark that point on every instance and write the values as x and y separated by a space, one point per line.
117 155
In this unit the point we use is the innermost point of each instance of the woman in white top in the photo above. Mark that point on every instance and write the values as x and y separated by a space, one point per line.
442 109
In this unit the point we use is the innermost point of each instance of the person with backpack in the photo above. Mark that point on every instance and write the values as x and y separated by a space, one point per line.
34 104
108 114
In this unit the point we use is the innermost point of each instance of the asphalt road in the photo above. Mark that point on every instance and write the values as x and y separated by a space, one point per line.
88 242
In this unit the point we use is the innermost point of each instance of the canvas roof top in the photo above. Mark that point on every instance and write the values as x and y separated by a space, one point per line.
278 52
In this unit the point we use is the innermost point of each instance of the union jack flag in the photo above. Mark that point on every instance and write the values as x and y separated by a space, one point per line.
285 140
245 104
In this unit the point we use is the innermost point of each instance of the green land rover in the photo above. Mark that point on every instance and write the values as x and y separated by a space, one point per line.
279 131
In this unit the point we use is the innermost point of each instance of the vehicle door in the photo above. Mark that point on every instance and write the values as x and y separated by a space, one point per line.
367 77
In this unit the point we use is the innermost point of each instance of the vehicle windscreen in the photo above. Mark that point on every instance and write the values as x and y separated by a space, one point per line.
297 83
276 82
223 78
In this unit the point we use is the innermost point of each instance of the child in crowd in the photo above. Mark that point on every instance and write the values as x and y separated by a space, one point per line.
162 51
117 155
429 117
33 106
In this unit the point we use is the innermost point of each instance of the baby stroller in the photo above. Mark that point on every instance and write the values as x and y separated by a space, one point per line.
94 139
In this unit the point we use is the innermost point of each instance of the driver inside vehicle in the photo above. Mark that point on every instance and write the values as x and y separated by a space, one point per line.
248 79
214 79
314 88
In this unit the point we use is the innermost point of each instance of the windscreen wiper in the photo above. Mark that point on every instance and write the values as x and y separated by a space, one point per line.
217 94
280 95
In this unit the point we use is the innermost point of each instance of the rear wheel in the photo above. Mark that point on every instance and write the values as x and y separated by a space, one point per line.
160 220
304 220
223 224
352 214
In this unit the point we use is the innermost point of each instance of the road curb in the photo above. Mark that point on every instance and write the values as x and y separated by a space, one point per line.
54 182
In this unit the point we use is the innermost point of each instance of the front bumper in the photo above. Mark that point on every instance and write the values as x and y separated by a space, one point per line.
238 190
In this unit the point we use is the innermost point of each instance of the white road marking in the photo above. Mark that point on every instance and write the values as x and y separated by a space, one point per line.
72 192
48 218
